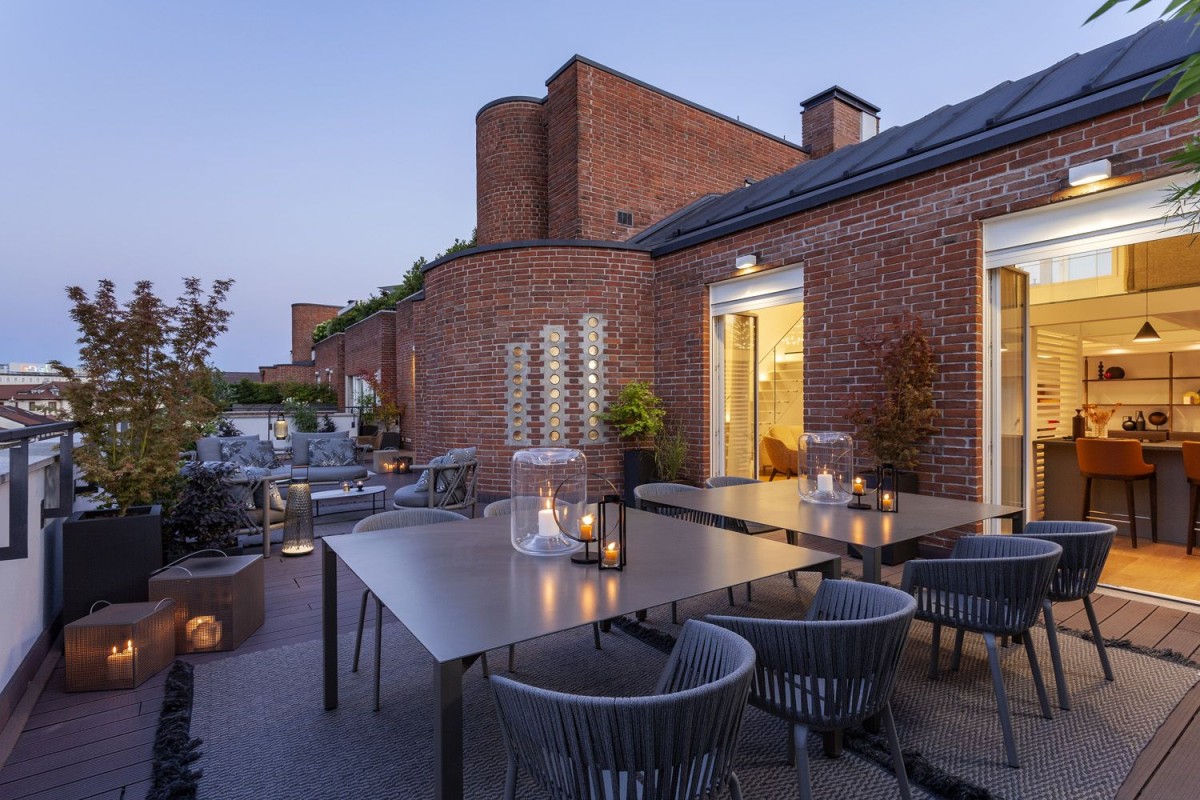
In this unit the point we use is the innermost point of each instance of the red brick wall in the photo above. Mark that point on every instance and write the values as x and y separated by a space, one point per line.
510 172
305 317
370 346
615 145
913 245
405 364
476 304
330 356
288 373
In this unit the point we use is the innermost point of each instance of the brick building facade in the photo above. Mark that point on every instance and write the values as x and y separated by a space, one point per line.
905 235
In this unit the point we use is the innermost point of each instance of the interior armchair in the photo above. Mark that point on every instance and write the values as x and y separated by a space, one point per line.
783 458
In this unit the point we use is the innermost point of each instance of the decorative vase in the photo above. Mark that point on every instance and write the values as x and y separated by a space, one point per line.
826 467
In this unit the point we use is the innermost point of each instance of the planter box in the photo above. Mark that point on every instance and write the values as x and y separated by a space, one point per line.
639 469
107 557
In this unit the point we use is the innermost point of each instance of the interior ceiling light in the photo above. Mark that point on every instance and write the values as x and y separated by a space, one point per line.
1090 172
1146 333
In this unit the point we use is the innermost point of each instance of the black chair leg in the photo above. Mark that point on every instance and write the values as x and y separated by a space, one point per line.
1010 743
1132 513
1195 505
1087 498
1153 507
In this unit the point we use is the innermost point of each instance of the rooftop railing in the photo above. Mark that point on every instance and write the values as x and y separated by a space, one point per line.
16 445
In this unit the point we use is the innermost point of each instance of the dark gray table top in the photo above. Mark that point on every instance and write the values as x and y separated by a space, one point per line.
778 504
461 588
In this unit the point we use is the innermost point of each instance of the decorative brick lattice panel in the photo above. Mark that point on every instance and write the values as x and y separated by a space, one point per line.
516 380
557 393
592 352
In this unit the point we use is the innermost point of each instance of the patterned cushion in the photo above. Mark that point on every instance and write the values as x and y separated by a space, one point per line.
447 478
332 453
250 454
422 484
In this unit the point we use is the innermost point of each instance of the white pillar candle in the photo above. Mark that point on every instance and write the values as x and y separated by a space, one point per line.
120 664
546 524
825 482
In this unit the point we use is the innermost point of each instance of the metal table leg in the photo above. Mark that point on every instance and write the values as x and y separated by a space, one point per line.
872 561
329 624
448 731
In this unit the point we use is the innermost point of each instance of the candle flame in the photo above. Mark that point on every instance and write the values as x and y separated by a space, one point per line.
612 548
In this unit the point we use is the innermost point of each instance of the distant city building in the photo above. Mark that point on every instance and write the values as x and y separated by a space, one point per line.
11 418
45 398
23 372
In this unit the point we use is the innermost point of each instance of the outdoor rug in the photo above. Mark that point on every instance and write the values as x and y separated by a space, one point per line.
265 734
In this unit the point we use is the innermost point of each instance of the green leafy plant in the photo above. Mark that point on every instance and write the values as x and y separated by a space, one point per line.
637 413
326 425
894 424
248 392
411 283
382 407
142 390
670 452
304 418
203 513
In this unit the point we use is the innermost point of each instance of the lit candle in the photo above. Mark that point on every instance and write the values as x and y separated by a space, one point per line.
204 632
358 485
345 486
825 482
885 502
585 527
547 526
858 488
120 663
611 554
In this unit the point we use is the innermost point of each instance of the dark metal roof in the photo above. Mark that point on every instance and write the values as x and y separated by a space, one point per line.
1076 89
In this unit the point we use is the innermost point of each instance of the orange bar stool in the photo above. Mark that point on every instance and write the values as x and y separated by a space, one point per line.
1191 468
1118 460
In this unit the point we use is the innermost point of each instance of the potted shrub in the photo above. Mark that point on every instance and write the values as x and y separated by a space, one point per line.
139 396
637 415
895 422
670 453
204 514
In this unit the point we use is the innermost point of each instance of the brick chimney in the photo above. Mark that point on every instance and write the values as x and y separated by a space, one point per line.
836 118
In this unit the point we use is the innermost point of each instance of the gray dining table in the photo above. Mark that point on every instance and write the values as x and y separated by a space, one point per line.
777 504
461 589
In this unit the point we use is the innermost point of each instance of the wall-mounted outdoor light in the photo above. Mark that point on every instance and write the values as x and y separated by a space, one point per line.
1090 172
746 261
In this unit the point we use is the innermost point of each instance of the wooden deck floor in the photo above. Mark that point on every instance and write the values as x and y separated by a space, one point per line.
98 744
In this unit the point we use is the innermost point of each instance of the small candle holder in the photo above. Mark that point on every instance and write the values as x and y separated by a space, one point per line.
358 486
887 479
587 535
610 515
345 486
858 489
403 463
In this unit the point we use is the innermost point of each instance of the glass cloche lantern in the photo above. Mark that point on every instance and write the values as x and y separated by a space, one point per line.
549 497
826 467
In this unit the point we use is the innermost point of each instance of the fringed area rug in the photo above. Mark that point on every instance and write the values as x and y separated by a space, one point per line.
265 734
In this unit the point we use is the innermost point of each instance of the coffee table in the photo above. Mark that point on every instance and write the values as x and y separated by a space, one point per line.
461 589
778 505
374 492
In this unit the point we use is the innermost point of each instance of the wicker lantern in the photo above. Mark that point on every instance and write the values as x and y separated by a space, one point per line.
119 646
218 601
298 521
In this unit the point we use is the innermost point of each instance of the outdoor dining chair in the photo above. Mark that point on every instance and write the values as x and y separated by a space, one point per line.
1085 547
993 585
390 520
833 669
741 526
649 496
576 747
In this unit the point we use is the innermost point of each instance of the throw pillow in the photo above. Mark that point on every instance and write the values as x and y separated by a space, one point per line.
232 451
422 484
332 453
448 478
250 454
273 497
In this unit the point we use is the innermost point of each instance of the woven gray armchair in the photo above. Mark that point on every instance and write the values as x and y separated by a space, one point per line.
577 747
993 585
390 520
832 670
1085 547
652 497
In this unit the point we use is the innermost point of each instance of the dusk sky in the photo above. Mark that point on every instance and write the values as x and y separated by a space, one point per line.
313 150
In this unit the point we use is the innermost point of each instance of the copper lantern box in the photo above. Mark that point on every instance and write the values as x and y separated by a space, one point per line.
119 646
218 601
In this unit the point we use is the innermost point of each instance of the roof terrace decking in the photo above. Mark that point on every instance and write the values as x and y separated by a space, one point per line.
99 744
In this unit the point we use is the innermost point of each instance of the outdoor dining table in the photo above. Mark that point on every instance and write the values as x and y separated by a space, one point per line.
778 505
461 589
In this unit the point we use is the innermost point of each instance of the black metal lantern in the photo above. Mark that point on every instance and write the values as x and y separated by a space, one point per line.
858 489
610 517
887 482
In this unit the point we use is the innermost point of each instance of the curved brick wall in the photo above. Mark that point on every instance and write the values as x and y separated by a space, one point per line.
510 154
478 303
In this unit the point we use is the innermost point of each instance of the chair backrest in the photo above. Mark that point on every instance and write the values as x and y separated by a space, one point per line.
1191 460
721 481
990 584
1110 457
405 518
1085 547
454 486
209 447
836 667
580 746
653 497
499 508
782 458
300 444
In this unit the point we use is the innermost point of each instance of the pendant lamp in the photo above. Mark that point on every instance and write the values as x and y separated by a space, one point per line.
1146 333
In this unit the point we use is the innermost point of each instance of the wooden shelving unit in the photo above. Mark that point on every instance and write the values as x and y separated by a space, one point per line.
1153 382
